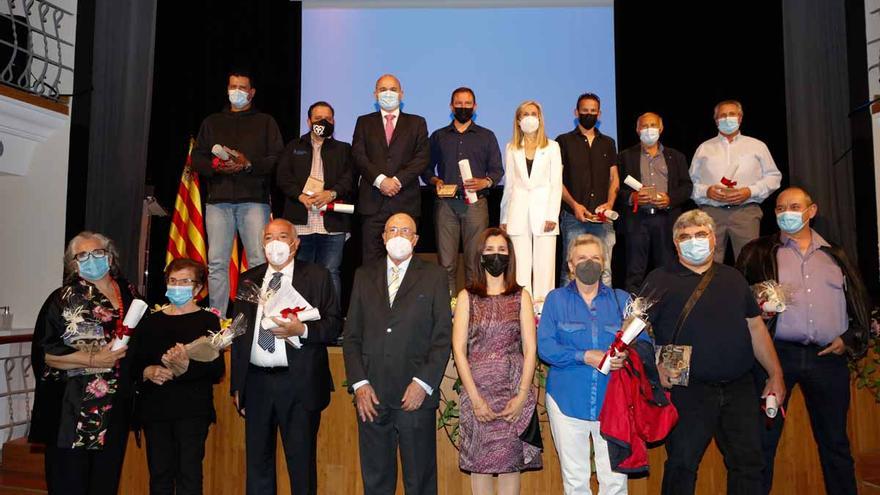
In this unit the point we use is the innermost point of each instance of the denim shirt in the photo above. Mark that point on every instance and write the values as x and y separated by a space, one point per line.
567 329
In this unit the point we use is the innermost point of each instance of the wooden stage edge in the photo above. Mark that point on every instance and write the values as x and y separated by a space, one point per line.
797 464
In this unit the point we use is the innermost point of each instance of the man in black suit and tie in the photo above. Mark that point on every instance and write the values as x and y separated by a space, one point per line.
390 150
649 215
281 377
396 346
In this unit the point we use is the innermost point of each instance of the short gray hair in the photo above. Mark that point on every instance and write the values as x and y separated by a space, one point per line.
583 240
71 269
693 218
735 103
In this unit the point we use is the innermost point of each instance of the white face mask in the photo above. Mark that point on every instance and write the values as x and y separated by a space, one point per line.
649 135
399 248
529 124
238 98
277 252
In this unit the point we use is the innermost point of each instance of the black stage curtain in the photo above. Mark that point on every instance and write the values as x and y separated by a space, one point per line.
107 174
197 43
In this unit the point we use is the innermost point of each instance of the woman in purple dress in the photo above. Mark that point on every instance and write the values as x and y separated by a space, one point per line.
494 343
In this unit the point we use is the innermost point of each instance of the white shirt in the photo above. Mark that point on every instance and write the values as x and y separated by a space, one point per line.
396 113
402 267
278 357
754 168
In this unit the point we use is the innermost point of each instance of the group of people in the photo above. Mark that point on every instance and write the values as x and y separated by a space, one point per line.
399 330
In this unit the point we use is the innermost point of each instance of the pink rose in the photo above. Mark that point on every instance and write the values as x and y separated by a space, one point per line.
98 387
102 313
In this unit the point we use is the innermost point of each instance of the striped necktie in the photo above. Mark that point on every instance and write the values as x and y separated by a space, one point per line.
393 283
266 340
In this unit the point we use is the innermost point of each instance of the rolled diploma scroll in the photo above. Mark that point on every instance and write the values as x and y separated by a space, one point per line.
132 318
632 330
464 169
727 178
632 182
305 315
221 152
337 207
771 406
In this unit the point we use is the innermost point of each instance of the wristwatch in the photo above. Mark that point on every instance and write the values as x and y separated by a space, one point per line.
333 195
491 182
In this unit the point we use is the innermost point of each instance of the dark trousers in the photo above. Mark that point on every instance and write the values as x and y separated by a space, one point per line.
648 238
272 404
415 434
325 250
456 220
372 226
824 381
175 450
90 472
731 414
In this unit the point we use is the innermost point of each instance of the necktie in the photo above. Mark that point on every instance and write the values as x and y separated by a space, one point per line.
266 340
389 127
393 283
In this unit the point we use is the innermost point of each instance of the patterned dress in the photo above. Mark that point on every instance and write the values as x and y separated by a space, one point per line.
496 363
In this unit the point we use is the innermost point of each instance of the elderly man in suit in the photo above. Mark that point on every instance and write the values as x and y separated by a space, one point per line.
396 346
281 376
650 213
390 150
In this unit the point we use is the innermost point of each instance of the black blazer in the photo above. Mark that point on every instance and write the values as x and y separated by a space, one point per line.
294 168
679 180
406 158
390 345
308 366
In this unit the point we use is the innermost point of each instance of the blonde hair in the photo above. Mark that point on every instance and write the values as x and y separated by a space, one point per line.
585 240
519 135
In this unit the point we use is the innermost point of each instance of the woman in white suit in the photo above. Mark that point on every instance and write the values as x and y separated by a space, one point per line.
532 195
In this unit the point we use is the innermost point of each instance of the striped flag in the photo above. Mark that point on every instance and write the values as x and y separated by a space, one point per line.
186 239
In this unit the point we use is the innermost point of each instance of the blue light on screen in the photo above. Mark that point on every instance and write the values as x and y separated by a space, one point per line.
506 55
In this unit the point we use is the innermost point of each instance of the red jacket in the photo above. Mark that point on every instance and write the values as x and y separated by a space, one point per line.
636 412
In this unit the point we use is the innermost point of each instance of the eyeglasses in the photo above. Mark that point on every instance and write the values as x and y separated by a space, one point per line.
794 207
402 231
95 253
180 281
698 235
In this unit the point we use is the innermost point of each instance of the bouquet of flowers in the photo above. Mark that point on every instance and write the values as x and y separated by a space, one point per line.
772 296
207 348
635 319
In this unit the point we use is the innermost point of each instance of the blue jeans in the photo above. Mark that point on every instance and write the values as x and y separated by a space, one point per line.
325 250
571 228
222 220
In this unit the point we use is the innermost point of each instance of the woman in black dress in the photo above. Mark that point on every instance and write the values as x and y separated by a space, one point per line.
175 396
82 398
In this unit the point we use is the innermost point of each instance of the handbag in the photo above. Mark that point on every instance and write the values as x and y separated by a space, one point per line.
532 434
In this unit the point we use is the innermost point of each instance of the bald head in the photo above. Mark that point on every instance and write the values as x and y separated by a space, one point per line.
401 220
794 210
388 82
280 225
795 193
649 119
280 230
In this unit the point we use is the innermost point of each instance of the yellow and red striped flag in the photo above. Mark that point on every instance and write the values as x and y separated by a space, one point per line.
186 239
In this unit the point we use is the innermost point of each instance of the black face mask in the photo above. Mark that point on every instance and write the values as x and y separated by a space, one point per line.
462 114
495 264
322 128
588 272
587 120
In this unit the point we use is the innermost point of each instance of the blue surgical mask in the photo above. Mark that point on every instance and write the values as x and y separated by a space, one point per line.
238 98
728 125
179 294
695 251
94 268
790 221
389 100
649 136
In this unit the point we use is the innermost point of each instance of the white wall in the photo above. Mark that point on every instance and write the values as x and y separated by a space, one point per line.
872 32
33 215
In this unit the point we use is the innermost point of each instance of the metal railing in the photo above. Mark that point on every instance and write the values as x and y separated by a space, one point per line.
18 393
34 54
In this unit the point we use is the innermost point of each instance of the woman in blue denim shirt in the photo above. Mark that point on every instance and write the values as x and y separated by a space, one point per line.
578 324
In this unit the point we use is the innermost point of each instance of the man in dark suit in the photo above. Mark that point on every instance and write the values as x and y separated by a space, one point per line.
650 214
315 170
396 346
391 150
281 377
